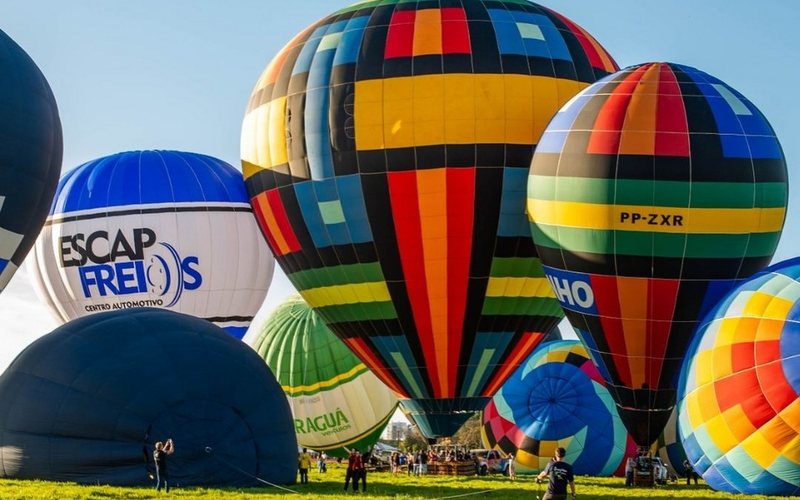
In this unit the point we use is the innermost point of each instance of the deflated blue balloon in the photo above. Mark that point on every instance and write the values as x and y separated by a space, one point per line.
87 402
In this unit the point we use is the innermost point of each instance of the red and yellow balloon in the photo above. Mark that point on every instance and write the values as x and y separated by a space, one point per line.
386 149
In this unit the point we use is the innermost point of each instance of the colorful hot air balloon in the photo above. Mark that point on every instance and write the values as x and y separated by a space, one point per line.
30 154
739 399
153 228
668 447
650 194
337 403
558 398
385 150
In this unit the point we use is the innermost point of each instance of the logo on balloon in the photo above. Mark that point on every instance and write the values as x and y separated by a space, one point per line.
118 265
573 290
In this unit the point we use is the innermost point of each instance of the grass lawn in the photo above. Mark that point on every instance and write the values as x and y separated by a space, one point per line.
380 485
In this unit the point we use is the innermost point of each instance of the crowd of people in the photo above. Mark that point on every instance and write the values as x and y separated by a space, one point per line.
652 468
558 473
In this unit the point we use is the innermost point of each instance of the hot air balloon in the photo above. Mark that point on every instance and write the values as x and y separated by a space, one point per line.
87 402
668 447
337 403
153 228
739 399
650 194
557 398
30 154
385 150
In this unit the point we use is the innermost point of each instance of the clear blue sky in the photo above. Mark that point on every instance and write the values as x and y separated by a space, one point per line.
176 74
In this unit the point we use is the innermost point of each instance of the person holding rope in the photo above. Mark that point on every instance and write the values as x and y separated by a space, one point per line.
560 475
160 458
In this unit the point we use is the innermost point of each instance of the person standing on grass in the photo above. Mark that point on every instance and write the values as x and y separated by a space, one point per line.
423 464
353 468
395 463
560 475
323 462
630 464
362 473
689 471
160 458
512 470
303 464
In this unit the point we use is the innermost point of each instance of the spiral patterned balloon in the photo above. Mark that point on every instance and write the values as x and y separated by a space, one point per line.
558 398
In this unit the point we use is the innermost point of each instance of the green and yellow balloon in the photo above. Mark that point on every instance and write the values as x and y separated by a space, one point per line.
337 402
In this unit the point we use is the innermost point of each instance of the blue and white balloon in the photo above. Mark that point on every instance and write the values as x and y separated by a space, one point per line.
154 228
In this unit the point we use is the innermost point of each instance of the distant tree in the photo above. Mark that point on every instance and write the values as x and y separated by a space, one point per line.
414 440
470 433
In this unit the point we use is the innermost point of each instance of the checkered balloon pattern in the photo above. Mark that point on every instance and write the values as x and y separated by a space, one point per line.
739 411
385 151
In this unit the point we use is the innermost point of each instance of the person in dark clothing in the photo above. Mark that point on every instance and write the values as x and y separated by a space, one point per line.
688 470
560 475
160 458
354 465
362 473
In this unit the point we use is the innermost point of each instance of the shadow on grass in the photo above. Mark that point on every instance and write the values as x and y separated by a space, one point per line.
495 488
381 486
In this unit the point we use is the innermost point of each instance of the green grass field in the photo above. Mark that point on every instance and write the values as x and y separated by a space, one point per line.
381 485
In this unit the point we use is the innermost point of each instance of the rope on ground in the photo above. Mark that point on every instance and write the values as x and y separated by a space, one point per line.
467 494
232 466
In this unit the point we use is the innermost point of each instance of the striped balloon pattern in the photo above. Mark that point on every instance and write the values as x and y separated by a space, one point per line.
739 408
168 229
385 149
337 403
652 193
558 399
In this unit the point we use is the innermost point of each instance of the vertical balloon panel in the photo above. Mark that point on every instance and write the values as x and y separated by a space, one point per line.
159 229
385 150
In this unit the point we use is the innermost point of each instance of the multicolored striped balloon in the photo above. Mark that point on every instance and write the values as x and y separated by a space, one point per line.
336 401
558 399
739 408
651 193
385 150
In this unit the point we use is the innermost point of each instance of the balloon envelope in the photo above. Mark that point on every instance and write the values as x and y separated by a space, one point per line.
558 399
650 194
153 228
30 154
87 402
337 403
669 447
385 150
739 407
